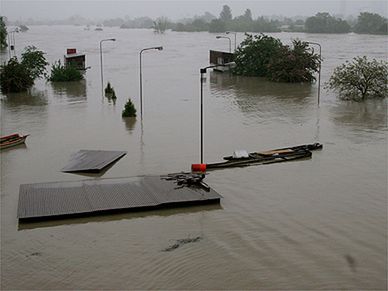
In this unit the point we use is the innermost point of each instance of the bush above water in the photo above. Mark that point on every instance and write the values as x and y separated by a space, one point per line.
129 109
61 73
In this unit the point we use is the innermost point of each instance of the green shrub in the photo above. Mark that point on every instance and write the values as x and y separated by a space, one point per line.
109 89
14 77
265 56
61 73
113 94
18 76
129 109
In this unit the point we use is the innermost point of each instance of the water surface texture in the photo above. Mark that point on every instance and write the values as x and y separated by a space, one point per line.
314 224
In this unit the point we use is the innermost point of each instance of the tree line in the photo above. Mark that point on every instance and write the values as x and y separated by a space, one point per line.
322 22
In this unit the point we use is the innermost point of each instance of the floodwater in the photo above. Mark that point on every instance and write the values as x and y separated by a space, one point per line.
319 223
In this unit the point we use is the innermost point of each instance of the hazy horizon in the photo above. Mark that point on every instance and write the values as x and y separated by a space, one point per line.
16 10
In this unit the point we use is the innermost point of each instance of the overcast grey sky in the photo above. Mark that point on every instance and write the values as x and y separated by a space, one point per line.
58 9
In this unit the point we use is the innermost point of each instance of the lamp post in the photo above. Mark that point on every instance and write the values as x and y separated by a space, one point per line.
235 34
319 73
230 42
102 74
159 48
202 80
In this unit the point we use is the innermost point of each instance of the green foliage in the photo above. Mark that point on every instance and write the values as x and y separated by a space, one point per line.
110 92
325 23
14 77
265 56
294 65
109 89
360 79
34 61
61 73
114 95
3 33
226 14
371 23
160 25
18 76
225 22
254 54
129 109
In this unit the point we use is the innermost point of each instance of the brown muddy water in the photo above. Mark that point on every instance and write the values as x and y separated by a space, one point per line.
314 224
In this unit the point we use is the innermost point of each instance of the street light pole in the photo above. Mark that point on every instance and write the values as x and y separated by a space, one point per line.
235 42
230 42
202 80
159 48
101 69
319 73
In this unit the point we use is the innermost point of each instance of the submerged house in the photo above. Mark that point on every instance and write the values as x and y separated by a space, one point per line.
220 58
72 58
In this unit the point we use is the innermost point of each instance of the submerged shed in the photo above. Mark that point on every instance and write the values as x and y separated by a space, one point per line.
72 58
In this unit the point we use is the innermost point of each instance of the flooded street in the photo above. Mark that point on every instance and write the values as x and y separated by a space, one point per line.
319 223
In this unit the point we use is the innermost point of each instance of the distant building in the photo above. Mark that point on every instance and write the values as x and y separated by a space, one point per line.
72 58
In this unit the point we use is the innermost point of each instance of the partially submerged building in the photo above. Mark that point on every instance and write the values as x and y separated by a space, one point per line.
220 58
72 58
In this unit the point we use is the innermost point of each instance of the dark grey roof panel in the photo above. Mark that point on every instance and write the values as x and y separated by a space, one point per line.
91 160
45 200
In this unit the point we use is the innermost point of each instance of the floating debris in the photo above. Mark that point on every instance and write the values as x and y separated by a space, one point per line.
181 242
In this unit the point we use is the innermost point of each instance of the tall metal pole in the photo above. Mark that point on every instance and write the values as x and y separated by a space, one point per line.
101 66
202 79
141 89
141 76
320 66
235 38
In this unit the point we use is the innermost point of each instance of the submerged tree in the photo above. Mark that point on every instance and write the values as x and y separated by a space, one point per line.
360 79
129 109
265 56
254 54
296 64
63 73
18 76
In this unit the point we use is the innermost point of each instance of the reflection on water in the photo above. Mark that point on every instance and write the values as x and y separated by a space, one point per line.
260 87
265 100
130 123
370 115
32 97
74 91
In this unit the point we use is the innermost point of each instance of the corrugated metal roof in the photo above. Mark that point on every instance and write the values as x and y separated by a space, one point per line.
50 200
91 160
